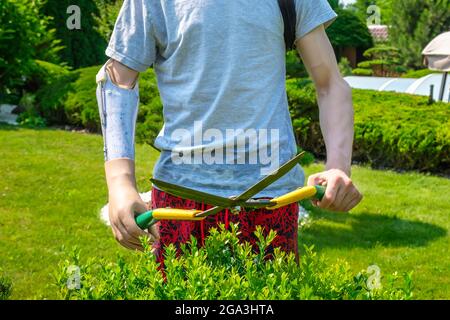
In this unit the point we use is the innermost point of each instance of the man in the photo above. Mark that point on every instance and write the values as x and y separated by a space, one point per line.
220 67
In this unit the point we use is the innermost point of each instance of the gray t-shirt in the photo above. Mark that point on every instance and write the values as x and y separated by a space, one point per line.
220 66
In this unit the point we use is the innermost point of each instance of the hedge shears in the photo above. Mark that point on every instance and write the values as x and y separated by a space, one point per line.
244 200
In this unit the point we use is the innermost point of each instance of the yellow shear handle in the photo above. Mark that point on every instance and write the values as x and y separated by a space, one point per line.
294 196
176 214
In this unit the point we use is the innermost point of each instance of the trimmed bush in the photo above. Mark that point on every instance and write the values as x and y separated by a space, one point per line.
224 269
418 73
401 131
54 83
150 117
392 130
305 114
80 106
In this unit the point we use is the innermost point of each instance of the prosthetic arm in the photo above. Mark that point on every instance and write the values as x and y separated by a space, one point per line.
118 108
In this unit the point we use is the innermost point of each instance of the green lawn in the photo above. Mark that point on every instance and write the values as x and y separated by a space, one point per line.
52 187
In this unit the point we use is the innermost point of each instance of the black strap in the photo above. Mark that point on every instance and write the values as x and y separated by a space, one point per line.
288 11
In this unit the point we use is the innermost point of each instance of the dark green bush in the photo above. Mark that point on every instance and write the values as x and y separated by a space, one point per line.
223 269
81 47
31 119
81 107
150 117
305 114
24 36
53 84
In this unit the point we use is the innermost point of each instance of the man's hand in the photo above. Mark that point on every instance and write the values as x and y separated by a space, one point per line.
124 202
341 194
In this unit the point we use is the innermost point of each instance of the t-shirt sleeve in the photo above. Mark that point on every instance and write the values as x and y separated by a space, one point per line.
133 42
311 14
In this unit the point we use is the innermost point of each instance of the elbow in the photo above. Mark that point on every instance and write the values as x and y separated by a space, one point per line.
346 90
335 87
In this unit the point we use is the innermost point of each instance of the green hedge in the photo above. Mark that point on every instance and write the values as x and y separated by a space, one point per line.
225 269
391 130
418 73
401 131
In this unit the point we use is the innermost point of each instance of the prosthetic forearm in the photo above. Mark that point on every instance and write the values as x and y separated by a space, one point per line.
118 108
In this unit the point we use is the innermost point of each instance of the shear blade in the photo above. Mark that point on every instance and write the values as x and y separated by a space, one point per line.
187 193
259 186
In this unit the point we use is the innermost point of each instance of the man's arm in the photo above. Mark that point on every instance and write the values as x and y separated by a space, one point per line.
336 121
124 199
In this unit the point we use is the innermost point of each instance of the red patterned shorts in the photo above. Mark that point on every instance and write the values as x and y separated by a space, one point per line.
283 220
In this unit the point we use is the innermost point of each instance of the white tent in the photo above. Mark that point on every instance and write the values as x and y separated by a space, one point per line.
420 86
437 57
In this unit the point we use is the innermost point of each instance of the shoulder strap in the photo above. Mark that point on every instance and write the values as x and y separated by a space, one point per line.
288 11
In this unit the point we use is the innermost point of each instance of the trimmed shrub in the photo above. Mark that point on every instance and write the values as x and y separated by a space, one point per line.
150 117
54 83
224 269
401 131
81 106
418 73
392 130
305 115
294 66
345 68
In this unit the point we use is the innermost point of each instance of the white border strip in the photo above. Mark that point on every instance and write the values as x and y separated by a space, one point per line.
412 88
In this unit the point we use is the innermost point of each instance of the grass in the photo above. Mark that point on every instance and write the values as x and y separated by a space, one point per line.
52 187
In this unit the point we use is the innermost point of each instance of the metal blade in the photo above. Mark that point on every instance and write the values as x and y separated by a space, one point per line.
261 185
191 194
271 178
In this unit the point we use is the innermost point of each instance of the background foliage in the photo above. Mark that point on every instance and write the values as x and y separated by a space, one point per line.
415 24
24 36
361 8
383 61
84 47
349 30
